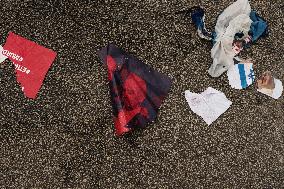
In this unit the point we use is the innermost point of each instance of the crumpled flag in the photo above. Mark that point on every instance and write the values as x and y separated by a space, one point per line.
236 19
269 85
137 90
241 75
209 105
31 62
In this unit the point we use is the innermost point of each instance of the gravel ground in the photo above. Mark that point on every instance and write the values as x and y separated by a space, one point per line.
64 138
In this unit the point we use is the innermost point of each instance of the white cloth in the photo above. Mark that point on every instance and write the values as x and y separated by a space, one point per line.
276 92
2 57
234 19
210 104
241 76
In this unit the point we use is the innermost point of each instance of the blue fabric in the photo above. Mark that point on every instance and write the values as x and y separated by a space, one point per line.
197 18
242 75
258 27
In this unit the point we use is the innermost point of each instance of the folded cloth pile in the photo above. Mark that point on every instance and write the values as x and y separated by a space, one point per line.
237 22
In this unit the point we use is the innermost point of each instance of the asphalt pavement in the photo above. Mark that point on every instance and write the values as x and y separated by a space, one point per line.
65 138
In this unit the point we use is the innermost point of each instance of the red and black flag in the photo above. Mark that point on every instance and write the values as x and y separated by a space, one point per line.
137 90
